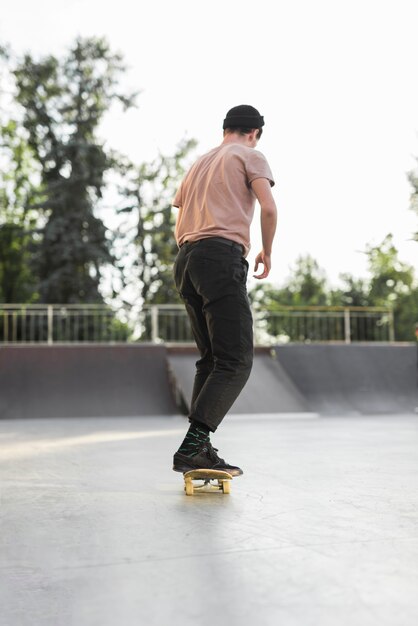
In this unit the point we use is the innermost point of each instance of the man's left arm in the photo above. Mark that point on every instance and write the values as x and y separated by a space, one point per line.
262 190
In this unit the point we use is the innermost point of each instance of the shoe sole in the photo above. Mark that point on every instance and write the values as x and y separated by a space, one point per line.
183 469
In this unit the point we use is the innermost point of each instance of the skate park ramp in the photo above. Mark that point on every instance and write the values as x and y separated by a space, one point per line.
138 380
268 390
354 379
81 381
318 379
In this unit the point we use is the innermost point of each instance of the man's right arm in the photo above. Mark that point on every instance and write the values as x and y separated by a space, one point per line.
262 190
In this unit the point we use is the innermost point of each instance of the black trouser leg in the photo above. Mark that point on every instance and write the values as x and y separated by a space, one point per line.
211 278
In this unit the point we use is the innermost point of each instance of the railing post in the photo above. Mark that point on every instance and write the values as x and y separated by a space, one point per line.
391 326
154 323
6 325
50 317
347 326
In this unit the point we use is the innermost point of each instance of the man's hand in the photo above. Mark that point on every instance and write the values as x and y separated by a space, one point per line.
263 259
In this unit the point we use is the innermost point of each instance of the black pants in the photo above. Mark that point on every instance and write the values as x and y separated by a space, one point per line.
211 276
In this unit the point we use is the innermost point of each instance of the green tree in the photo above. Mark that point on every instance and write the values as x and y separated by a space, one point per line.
393 284
354 292
406 315
413 179
64 101
306 286
18 225
150 189
390 278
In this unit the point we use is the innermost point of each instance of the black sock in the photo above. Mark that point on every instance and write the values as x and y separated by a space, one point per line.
196 436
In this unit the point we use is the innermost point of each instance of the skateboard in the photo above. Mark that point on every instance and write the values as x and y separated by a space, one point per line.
213 480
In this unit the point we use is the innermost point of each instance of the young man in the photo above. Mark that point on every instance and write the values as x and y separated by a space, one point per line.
216 202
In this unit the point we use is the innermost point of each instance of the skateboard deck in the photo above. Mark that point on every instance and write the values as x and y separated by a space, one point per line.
213 480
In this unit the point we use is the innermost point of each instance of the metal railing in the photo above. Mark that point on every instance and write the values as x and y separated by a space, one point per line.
90 323
325 324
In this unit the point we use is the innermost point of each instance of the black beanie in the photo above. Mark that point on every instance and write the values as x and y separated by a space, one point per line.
243 116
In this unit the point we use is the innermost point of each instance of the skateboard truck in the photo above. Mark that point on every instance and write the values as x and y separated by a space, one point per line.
213 480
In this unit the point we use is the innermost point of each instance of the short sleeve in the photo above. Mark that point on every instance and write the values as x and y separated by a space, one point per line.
257 167
178 202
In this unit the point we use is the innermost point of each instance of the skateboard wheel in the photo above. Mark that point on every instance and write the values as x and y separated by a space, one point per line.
189 488
226 486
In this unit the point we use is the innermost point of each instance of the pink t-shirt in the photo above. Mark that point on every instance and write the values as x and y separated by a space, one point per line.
215 197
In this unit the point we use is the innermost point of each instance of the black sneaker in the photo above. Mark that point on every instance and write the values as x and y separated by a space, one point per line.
206 458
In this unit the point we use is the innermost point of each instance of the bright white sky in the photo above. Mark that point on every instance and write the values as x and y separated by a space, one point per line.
336 80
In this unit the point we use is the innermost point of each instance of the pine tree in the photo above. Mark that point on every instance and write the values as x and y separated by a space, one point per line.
64 101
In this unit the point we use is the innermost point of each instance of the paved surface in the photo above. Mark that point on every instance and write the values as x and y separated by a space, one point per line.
322 529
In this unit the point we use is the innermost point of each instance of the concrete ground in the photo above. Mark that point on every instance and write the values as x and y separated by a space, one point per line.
322 529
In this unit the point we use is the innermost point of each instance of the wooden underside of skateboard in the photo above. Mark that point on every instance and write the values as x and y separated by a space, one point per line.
206 480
